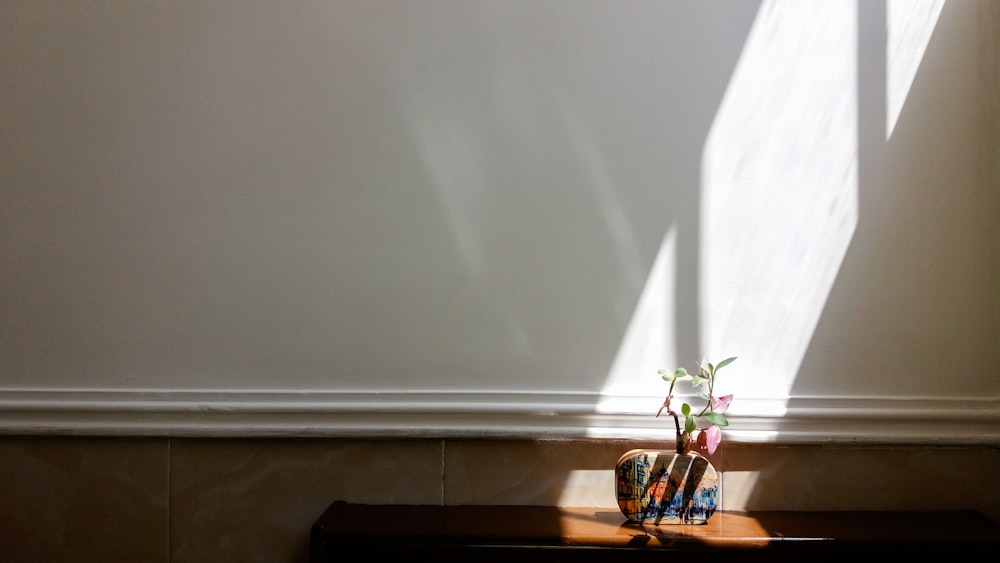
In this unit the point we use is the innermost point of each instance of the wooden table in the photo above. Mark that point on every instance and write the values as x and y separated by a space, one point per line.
345 531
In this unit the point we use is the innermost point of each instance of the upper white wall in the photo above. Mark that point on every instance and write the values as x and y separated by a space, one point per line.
525 197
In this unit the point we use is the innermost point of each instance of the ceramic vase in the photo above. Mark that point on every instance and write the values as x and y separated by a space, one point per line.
666 487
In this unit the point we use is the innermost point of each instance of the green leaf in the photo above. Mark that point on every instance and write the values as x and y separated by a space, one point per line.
725 363
716 418
678 375
686 409
704 396
690 424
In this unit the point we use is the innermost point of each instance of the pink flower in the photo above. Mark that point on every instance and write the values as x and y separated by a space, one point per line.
709 438
720 404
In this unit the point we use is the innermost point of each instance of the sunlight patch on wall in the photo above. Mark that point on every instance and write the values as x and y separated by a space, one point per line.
649 340
909 24
588 487
737 486
779 197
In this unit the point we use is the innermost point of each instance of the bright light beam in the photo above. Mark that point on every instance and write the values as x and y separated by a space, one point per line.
780 201
909 24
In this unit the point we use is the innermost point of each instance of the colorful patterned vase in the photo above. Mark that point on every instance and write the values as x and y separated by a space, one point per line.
666 487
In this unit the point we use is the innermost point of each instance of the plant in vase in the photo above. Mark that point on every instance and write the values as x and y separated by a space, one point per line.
682 486
708 437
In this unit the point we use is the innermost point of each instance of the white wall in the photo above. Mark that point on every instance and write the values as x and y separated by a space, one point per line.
470 217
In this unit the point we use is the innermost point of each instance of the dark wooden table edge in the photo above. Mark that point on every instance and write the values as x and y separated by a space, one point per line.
325 543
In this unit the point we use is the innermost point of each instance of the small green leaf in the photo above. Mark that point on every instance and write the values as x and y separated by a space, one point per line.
690 424
686 409
725 363
704 396
716 418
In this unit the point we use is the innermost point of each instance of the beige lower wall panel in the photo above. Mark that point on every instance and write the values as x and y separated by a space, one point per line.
254 500
860 478
94 499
